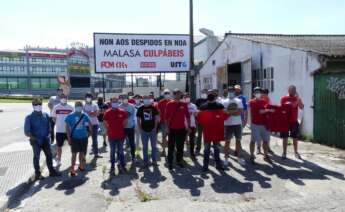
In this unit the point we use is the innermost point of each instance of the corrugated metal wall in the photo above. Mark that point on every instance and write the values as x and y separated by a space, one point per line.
329 111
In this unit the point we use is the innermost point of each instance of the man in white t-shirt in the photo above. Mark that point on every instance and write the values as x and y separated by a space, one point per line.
59 113
233 125
92 110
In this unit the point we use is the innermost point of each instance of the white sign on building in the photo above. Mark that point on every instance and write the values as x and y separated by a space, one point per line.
138 53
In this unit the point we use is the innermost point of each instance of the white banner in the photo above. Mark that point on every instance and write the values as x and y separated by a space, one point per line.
137 53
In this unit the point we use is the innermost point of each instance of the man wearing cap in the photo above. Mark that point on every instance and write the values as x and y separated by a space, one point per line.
177 119
244 115
162 104
259 132
233 125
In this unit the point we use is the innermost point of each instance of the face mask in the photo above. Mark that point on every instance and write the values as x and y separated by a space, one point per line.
167 96
231 95
204 96
137 101
114 105
37 108
258 95
63 101
125 101
88 100
147 102
78 109
187 100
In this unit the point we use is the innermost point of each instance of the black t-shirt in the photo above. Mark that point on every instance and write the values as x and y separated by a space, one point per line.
102 108
147 115
211 106
200 102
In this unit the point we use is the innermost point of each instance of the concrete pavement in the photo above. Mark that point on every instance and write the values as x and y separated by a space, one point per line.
315 183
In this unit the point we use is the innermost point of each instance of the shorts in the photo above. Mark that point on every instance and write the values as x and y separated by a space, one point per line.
102 130
79 145
163 128
60 139
259 133
234 130
293 131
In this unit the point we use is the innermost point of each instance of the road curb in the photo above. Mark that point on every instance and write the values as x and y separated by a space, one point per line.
22 187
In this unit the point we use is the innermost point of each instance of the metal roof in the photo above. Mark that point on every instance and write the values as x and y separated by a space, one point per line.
328 45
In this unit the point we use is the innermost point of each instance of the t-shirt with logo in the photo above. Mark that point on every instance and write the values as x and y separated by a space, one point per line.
81 130
147 115
176 114
292 101
116 120
255 106
60 112
91 108
233 105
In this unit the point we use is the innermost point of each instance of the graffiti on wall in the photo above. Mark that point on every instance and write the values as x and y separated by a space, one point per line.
337 85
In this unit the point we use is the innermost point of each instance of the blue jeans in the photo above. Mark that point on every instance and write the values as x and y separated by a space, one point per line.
145 136
37 148
207 149
94 139
129 133
116 145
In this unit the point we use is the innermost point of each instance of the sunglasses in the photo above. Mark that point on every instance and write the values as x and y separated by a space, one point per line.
36 104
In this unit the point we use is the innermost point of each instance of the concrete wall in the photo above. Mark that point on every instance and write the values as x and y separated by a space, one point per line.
290 67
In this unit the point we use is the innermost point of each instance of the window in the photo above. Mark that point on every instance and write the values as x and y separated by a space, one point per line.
53 83
35 83
3 83
12 83
22 83
264 78
45 83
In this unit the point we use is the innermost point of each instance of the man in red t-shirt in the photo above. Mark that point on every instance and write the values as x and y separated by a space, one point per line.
176 117
294 102
115 120
259 131
162 104
211 117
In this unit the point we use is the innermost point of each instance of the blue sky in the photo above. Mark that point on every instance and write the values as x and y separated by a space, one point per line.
60 22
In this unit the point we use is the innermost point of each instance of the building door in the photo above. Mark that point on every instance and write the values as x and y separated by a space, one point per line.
246 78
329 112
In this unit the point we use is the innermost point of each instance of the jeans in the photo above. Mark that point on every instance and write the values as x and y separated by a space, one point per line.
116 145
199 138
145 136
207 149
176 139
192 141
45 147
129 133
94 139
52 131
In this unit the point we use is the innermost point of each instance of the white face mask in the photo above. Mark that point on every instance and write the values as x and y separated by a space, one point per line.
88 100
114 105
63 101
258 95
78 109
167 96
187 100
232 95
37 108
204 96
125 101
147 102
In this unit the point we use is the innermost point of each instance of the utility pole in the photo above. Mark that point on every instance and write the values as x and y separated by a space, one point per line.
191 73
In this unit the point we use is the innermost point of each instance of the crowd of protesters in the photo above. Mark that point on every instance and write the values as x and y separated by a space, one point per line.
133 122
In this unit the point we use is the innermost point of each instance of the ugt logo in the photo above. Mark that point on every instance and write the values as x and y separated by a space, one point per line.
178 64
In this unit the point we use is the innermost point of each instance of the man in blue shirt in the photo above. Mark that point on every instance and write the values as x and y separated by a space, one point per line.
130 127
78 128
37 128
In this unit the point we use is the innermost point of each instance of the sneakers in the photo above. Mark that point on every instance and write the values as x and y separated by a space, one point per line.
267 159
38 177
284 156
298 156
